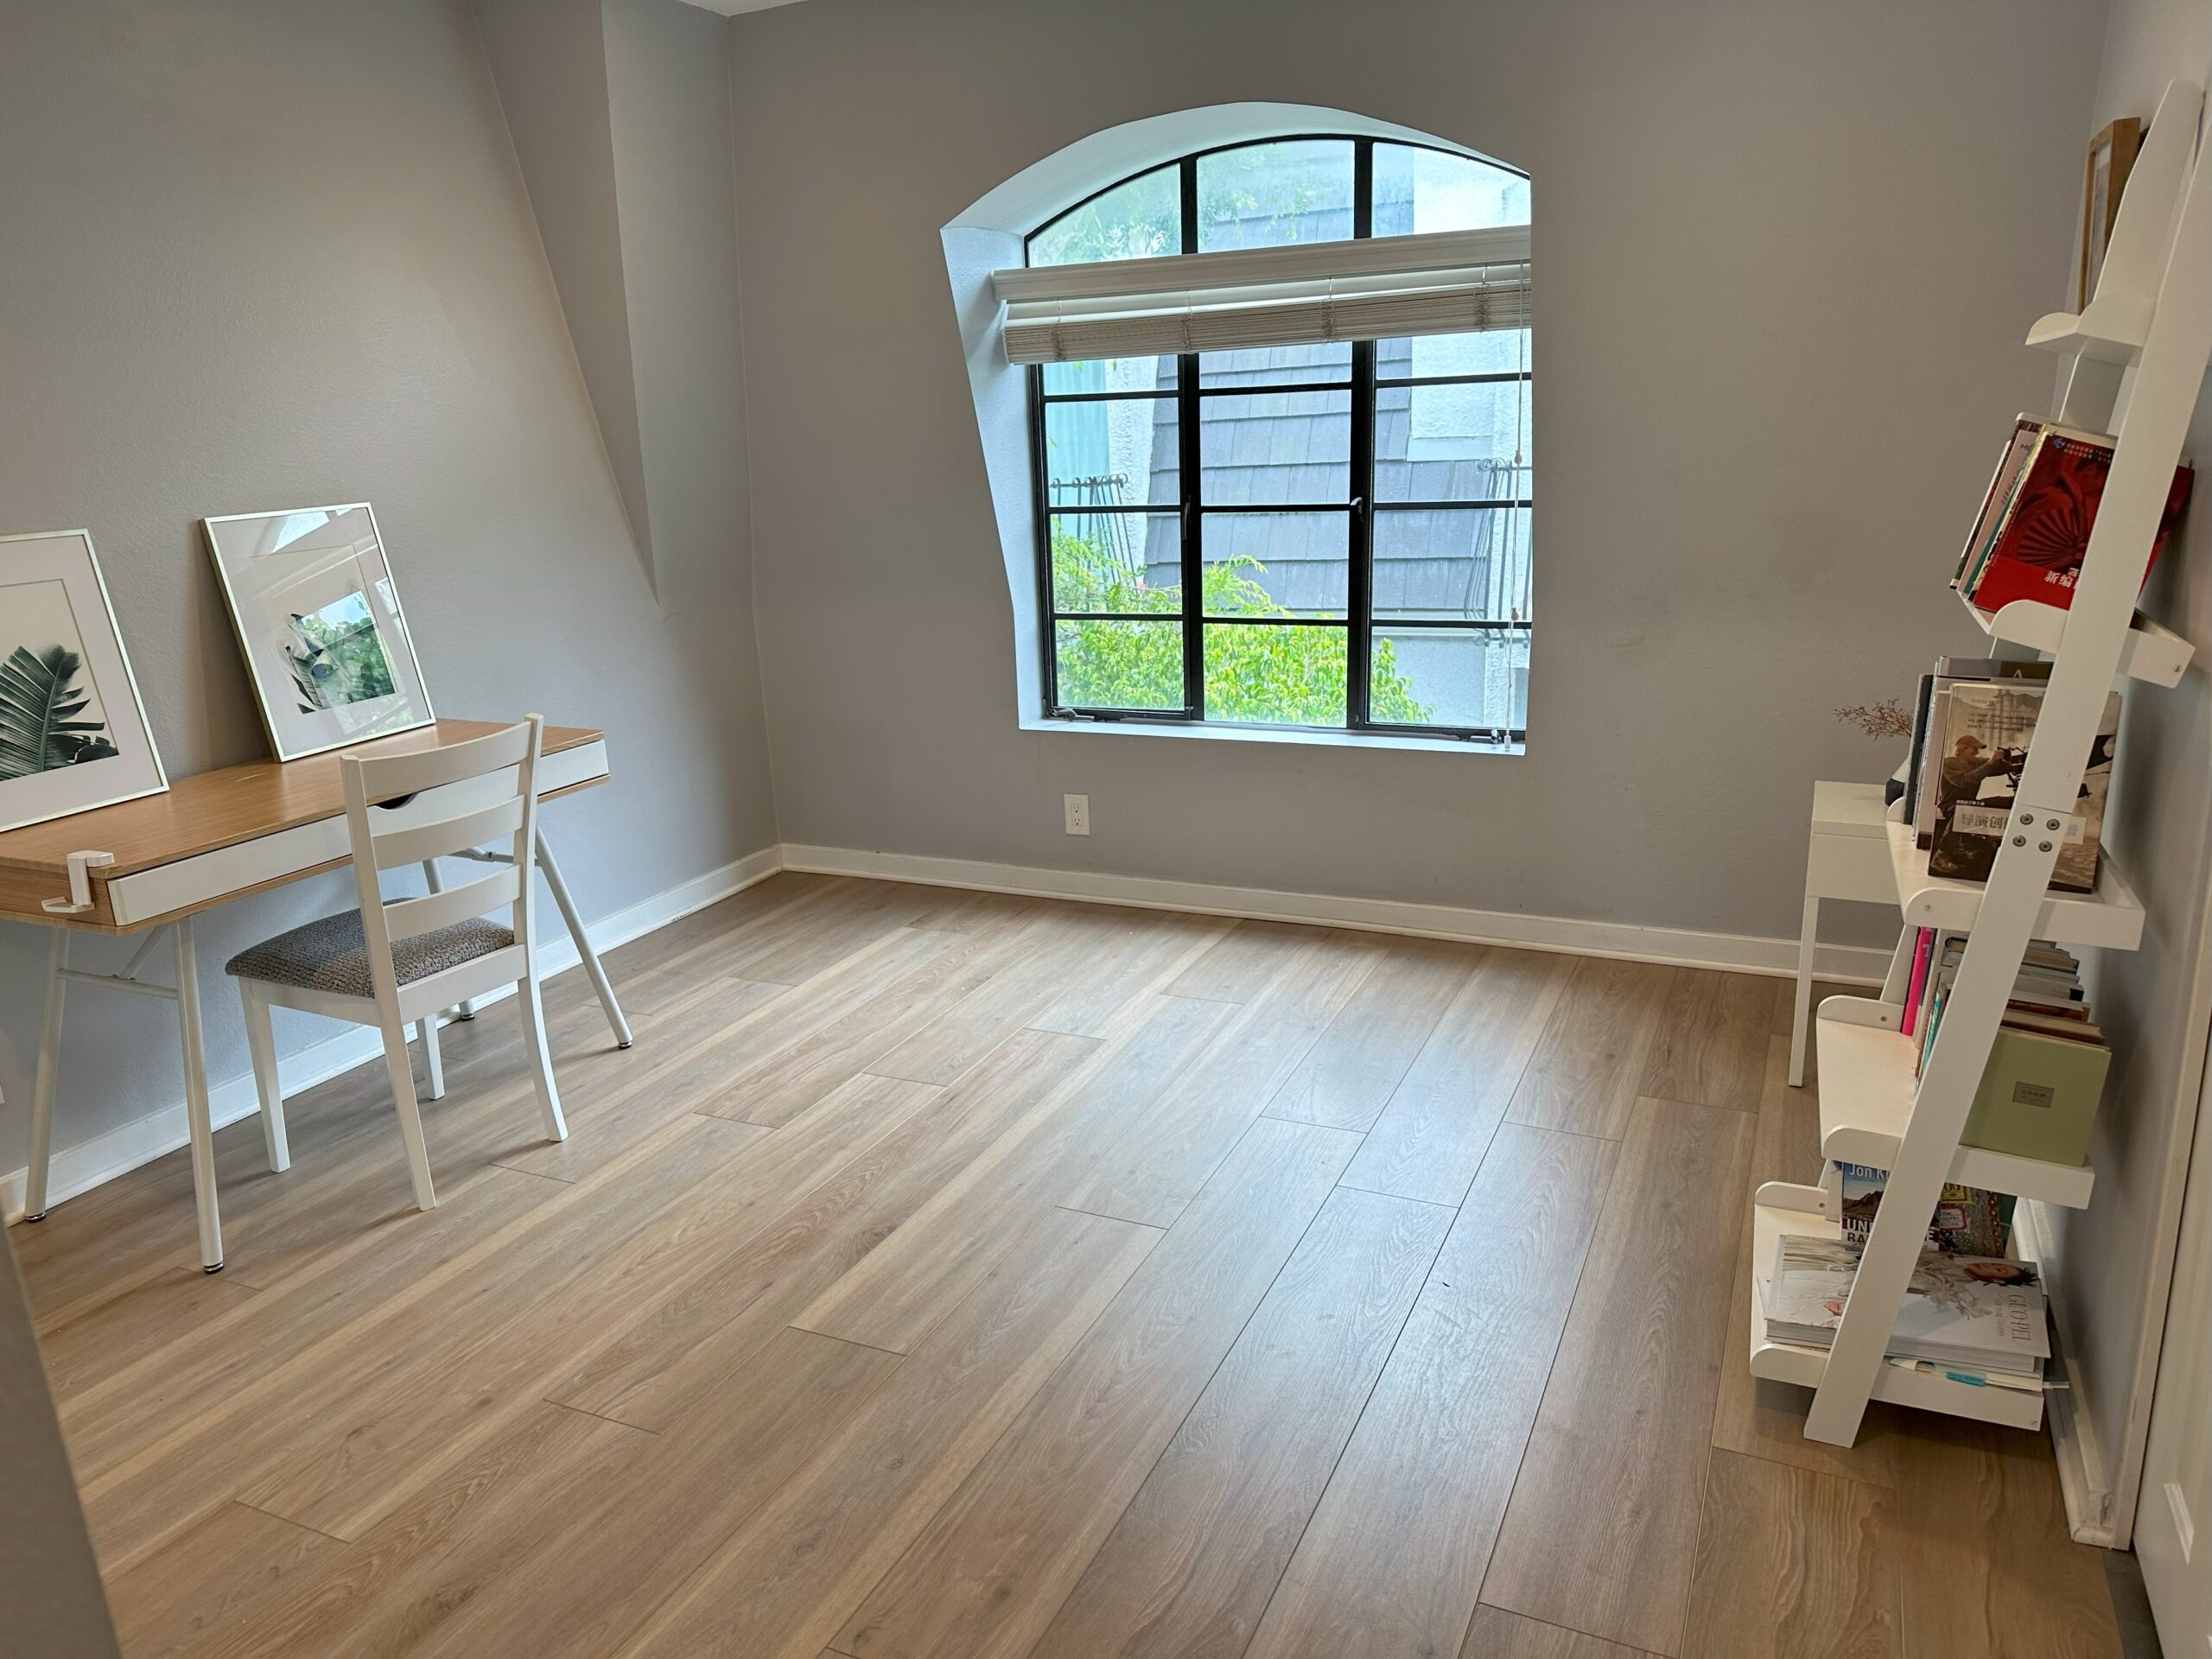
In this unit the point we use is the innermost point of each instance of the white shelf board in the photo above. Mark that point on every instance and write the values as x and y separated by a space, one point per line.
2155 655
2110 332
1866 1089
2110 919
1787 1362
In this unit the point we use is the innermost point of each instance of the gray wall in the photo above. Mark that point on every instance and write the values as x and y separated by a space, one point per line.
2161 826
1787 254
265 254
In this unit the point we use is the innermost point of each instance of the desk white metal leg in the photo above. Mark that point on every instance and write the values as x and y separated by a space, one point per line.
434 1066
466 1009
49 1062
197 1121
590 957
186 995
1807 939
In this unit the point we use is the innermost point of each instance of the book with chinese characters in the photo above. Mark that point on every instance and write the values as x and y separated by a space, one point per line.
2034 525
1977 765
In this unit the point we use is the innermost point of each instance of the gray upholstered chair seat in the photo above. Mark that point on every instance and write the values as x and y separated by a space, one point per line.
331 956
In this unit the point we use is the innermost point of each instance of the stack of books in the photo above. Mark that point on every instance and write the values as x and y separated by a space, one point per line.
2046 1070
1977 1318
2034 526
1972 727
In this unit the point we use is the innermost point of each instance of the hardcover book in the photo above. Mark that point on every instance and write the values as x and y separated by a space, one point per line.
1978 762
1969 1220
2036 552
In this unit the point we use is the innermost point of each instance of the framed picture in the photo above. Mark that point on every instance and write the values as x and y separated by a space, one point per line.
2112 157
72 732
319 621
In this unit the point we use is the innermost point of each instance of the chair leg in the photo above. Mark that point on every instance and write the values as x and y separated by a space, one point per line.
541 1057
402 1073
426 1035
261 1043
49 1064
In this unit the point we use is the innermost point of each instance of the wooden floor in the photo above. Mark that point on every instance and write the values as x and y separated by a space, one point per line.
948 1274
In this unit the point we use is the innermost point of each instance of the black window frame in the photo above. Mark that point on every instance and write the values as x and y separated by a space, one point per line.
1361 507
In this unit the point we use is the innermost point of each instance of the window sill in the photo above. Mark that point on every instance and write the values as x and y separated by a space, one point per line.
1301 736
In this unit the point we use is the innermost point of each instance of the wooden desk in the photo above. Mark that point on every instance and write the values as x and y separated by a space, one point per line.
219 836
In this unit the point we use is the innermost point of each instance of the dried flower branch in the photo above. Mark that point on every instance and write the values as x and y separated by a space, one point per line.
1888 718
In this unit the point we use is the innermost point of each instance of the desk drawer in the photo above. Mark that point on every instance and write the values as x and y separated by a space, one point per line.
210 878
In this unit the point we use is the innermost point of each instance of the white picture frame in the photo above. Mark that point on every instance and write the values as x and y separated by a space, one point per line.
319 623
70 694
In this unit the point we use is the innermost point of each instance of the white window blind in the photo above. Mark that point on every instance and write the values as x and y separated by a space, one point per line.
1460 282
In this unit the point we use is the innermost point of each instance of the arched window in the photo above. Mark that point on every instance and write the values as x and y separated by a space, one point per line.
1281 465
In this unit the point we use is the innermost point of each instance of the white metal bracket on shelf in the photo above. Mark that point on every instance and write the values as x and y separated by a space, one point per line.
80 884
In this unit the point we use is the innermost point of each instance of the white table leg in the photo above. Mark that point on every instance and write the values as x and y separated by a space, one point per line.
1807 936
466 1009
426 1037
590 957
196 1102
49 1064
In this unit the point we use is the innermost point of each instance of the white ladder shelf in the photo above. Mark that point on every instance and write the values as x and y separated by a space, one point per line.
2151 315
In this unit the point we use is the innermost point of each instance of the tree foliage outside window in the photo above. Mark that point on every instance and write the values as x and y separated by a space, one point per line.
1278 674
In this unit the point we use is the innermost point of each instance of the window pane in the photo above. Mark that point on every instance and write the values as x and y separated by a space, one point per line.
1277 366
1276 448
1276 564
1263 195
1120 664
1275 674
1111 374
1417 191
1450 676
1136 220
1453 442
1456 564
1117 561
1118 453
1493 351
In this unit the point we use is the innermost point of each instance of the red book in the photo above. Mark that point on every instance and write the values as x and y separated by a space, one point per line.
2039 553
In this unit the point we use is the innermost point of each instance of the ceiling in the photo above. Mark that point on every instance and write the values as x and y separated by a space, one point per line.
731 8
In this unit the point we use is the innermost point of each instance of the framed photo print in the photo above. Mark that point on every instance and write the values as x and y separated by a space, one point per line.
319 621
72 732
2112 157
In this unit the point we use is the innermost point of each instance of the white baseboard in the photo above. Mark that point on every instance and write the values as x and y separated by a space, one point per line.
2082 1480
1680 947
89 1163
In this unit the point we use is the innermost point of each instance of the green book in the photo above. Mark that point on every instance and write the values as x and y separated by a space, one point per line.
2038 1097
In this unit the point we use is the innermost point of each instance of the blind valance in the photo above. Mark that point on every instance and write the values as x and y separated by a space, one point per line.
1456 282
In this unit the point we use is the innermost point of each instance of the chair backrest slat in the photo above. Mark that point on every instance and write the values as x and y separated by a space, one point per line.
513 751
384 776
447 836
405 917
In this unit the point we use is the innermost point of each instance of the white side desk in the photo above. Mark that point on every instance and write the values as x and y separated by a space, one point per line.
213 838
1849 858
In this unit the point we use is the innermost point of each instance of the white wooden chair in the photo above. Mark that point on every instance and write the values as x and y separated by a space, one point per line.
395 964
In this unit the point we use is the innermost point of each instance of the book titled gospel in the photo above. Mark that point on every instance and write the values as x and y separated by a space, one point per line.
2031 547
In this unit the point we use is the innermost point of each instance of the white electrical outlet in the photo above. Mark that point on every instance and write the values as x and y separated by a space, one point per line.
1078 809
